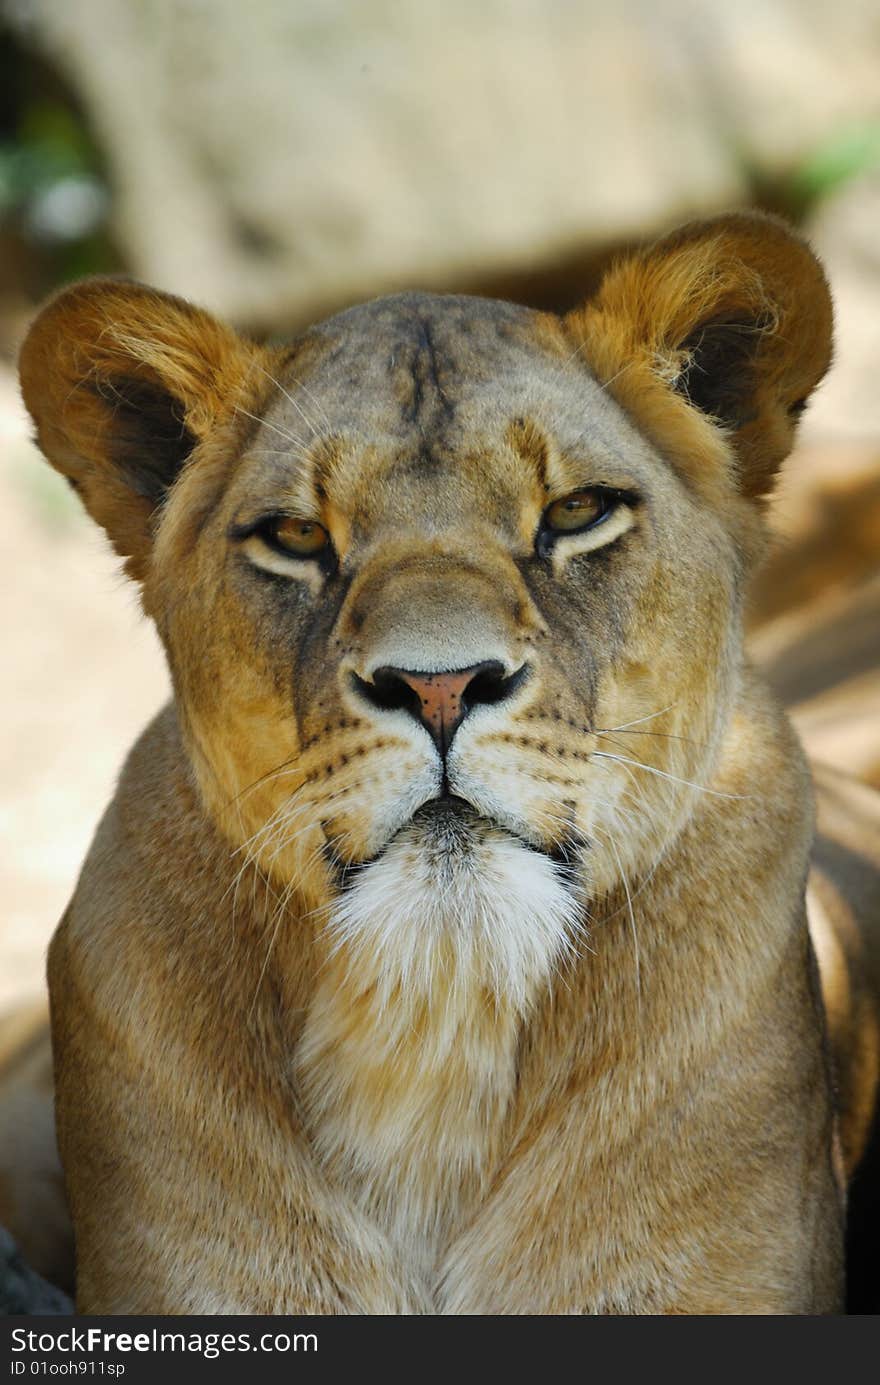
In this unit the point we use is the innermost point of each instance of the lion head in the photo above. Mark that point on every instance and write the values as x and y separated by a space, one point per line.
450 589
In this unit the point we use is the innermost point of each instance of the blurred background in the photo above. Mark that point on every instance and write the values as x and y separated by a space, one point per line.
278 159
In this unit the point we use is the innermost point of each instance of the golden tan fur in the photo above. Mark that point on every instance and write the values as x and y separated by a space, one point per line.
345 1023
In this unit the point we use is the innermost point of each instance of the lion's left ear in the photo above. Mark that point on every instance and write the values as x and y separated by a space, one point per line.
718 332
124 383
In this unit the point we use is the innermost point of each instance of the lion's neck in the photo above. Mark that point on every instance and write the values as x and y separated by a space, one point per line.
405 1102
407 1061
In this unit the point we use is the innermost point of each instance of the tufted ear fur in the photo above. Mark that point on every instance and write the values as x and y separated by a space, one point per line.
123 383
718 332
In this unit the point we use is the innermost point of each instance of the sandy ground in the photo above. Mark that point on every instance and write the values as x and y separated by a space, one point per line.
83 672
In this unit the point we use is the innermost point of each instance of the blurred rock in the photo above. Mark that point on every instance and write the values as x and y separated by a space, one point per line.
815 615
22 1291
33 1203
846 233
275 160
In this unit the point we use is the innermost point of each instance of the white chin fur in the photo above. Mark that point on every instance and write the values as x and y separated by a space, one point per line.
471 908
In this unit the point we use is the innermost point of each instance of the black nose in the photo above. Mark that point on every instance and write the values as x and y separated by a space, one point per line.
440 701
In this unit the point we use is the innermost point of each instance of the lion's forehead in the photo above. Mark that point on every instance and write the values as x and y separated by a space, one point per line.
428 386
416 354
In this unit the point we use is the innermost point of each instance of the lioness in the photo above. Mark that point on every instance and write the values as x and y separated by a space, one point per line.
444 947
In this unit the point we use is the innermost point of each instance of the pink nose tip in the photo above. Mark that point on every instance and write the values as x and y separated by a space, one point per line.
440 701
440 695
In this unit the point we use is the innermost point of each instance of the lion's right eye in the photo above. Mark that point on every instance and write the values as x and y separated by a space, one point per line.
301 538
579 510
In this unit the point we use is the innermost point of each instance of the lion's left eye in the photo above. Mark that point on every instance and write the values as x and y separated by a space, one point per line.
302 538
577 511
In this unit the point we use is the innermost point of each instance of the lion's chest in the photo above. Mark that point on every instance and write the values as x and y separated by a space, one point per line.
405 1101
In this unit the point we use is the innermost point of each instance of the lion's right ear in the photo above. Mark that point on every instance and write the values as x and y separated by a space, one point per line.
713 339
123 383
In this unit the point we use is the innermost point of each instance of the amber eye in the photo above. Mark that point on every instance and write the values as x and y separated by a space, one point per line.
578 510
302 538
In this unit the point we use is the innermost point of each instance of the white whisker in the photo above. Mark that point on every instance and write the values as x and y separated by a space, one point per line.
264 422
664 774
632 924
640 720
290 399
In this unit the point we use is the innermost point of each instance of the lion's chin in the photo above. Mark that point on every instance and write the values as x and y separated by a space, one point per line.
450 829
457 897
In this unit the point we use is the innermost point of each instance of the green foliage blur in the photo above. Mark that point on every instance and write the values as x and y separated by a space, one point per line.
55 197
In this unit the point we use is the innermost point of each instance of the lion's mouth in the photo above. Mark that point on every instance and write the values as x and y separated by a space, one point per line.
450 828
449 818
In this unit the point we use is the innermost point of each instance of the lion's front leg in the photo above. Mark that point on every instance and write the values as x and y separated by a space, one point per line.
192 1190
169 1221
748 1221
